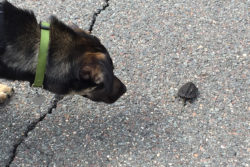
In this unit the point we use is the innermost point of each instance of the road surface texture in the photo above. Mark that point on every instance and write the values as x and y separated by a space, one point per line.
157 46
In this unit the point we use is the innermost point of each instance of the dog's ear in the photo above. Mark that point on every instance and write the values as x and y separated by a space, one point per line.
61 32
77 29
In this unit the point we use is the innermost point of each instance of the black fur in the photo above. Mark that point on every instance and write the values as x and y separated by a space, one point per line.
66 58
14 23
2 38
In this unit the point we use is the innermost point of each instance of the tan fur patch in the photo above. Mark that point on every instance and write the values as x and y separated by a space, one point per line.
5 92
85 92
94 72
3 97
78 30
91 68
91 65
97 56
100 56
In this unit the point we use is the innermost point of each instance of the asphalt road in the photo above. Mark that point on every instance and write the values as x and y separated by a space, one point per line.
156 46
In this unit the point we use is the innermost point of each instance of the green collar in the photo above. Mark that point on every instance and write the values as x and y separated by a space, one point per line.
43 53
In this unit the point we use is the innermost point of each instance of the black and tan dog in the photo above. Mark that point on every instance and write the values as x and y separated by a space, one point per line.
77 62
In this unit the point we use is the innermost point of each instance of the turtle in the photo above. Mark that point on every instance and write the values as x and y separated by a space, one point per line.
188 92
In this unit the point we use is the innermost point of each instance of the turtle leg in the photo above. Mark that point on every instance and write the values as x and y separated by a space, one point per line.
184 102
191 100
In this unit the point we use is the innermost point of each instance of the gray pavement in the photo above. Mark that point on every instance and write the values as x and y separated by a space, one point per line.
156 47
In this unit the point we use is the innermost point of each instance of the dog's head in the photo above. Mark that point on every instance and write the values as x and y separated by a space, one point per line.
96 79
91 68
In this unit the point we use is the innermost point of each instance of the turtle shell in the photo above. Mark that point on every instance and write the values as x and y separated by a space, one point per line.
188 91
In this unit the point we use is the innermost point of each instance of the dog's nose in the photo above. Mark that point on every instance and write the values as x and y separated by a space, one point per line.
111 99
123 89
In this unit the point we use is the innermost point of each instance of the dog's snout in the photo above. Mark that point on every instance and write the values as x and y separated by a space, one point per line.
123 89
118 90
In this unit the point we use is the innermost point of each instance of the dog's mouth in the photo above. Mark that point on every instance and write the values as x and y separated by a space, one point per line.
117 91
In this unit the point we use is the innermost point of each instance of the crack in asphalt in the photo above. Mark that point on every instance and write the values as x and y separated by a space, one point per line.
95 15
31 127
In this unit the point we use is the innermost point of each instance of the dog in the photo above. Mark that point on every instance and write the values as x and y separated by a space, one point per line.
77 62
